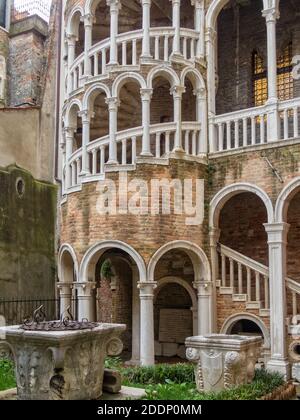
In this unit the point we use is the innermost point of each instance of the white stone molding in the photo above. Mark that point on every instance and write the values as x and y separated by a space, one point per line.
230 191
164 71
86 270
233 319
92 92
284 199
122 79
196 254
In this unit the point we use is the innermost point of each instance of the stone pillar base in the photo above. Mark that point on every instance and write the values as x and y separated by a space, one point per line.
281 366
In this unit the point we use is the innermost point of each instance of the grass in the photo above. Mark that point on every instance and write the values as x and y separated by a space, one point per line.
7 375
176 382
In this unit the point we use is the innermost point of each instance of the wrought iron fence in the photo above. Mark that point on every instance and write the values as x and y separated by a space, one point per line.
15 311
24 8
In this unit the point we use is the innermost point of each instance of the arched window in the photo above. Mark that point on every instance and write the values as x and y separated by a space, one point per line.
285 85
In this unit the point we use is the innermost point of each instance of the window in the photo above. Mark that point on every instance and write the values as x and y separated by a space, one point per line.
260 80
285 84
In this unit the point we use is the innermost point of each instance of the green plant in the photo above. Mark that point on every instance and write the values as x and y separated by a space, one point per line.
114 363
7 375
106 270
178 373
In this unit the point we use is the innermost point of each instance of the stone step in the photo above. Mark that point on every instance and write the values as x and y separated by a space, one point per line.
253 305
226 291
239 298
264 313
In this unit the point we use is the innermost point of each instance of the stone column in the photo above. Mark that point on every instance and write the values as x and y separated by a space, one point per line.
135 357
146 95
176 26
86 305
277 240
71 41
202 119
200 26
271 15
88 28
69 136
147 323
113 104
65 294
214 237
177 93
63 164
204 292
210 39
115 6
86 121
146 29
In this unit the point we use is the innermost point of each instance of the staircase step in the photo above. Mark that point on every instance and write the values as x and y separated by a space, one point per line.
253 305
265 313
239 298
226 291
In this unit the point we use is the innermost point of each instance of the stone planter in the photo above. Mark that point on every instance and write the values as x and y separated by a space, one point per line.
62 365
223 361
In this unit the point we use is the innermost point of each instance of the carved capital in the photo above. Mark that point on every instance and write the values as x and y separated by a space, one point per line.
113 103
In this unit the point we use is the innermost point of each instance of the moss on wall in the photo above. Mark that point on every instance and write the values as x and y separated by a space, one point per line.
27 234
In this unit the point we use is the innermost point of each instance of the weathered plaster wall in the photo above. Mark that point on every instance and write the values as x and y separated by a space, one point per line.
27 220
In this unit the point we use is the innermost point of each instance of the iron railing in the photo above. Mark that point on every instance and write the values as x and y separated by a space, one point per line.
15 311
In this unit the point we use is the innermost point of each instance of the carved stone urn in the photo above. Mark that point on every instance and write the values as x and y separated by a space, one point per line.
62 365
223 361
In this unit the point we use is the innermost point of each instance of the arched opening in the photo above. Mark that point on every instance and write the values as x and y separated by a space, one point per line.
114 270
245 327
293 252
161 13
129 112
67 276
175 305
237 216
113 296
76 30
99 126
241 221
189 103
75 123
235 47
101 22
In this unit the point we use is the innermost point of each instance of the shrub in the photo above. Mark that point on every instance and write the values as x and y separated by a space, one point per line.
159 374
114 363
7 375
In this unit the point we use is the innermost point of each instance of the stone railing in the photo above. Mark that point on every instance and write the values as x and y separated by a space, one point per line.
129 147
241 129
245 279
248 280
129 49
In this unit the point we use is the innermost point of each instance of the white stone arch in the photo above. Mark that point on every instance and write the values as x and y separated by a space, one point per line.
70 115
92 92
284 199
67 248
73 21
198 82
217 5
122 79
230 321
202 271
86 270
165 72
221 198
91 6
181 282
